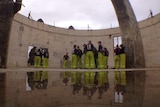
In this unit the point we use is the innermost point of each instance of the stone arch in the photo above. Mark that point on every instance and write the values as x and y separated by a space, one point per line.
131 34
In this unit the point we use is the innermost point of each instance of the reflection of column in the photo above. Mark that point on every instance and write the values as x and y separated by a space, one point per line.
135 89
2 89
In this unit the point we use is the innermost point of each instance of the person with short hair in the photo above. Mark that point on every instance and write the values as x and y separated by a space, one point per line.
65 60
45 58
116 57
74 57
90 55
38 55
122 56
100 55
105 57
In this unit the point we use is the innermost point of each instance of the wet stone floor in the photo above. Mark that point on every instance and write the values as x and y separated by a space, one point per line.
42 88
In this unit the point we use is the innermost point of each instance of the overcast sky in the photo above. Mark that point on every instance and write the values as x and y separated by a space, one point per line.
97 14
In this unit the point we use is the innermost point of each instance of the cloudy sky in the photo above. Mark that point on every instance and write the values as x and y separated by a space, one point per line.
84 14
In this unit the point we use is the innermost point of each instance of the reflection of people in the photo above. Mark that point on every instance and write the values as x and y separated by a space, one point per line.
89 84
65 77
120 81
76 81
65 60
103 83
32 56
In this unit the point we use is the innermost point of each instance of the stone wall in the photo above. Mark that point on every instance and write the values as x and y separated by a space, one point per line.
26 32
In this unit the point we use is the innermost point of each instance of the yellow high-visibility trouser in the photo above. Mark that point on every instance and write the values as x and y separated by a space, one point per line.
45 62
90 60
105 61
100 60
74 61
65 64
37 61
123 60
116 61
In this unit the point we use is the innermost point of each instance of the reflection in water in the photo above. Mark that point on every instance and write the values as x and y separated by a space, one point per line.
37 79
120 85
88 82
73 89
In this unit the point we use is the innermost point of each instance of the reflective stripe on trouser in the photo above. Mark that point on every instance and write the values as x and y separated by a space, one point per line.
45 62
117 77
105 77
123 78
73 78
37 61
65 64
105 61
116 61
79 62
89 79
90 60
100 78
100 60
74 61
44 75
37 76
122 60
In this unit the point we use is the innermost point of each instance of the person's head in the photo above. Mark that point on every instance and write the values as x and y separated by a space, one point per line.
66 53
117 46
77 47
121 45
74 46
89 42
99 42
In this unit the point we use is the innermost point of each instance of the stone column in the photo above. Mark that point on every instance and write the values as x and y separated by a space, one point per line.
131 36
7 10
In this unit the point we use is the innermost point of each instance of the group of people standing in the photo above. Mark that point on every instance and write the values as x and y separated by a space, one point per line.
38 57
119 57
92 57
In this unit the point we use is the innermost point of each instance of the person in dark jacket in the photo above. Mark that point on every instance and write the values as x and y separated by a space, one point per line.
38 55
74 57
90 55
105 57
79 57
65 60
122 57
100 55
116 57
45 58
32 56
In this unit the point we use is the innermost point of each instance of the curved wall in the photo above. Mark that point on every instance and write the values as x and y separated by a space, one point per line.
26 32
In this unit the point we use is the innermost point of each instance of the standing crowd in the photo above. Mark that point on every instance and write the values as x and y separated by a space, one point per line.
92 57
38 57
95 58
